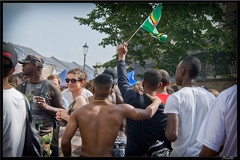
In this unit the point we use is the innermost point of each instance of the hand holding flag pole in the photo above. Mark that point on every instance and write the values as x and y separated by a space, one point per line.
151 23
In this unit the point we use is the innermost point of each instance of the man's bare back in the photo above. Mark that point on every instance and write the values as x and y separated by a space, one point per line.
103 121
99 123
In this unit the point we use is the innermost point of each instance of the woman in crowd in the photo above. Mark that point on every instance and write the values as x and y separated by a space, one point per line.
75 80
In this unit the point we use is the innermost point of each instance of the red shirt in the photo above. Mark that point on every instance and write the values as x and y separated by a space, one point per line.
163 97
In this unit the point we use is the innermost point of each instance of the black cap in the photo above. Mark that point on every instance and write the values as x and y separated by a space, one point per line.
112 72
33 59
10 53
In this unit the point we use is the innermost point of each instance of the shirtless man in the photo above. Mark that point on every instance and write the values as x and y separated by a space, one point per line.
99 121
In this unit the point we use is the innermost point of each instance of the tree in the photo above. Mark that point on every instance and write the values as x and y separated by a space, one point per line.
191 28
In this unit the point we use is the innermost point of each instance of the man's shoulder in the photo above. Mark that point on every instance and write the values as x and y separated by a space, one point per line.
51 86
12 92
229 91
206 93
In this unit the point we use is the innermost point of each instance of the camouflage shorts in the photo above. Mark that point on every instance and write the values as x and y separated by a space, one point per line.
46 143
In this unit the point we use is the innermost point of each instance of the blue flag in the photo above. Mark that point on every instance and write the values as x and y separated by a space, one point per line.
130 75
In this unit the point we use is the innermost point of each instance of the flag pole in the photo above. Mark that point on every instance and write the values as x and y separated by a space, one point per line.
141 26
134 34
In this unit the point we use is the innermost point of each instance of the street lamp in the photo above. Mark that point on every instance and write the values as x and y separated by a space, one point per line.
85 50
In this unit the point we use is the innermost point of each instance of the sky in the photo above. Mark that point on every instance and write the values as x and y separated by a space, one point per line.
51 30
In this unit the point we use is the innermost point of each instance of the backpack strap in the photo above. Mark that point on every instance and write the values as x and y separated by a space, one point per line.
141 102
28 114
23 86
143 123
44 88
43 94
32 138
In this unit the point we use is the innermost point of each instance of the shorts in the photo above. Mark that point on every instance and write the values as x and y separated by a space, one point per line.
46 143
119 147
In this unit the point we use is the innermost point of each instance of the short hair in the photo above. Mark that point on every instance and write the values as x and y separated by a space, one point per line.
174 87
20 75
102 83
54 76
170 90
194 64
152 78
79 72
165 76
12 80
89 85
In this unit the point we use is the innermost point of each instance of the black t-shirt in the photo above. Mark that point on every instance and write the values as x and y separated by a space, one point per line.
141 134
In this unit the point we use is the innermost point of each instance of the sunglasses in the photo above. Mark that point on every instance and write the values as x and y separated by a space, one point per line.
72 80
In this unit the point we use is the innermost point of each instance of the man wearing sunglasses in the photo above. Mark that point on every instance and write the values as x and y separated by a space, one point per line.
42 109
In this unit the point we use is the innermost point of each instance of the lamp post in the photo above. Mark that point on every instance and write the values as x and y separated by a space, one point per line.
85 50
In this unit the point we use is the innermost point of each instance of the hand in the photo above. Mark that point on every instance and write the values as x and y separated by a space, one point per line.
40 102
122 51
154 98
61 115
58 116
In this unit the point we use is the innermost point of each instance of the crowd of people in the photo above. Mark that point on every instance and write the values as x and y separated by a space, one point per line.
107 117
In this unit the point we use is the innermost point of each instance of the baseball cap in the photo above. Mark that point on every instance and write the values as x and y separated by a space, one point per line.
10 53
112 72
32 59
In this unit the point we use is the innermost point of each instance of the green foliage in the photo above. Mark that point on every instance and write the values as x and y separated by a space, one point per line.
182 22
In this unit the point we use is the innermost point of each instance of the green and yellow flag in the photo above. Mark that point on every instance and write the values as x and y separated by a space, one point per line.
151 23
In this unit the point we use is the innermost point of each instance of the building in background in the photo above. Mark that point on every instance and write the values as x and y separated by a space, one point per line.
98 71
51 65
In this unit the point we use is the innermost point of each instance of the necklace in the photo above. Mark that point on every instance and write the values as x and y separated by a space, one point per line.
100 101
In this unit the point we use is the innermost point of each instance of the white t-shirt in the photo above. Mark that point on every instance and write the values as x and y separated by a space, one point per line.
191 104
68 94
14 123
220 124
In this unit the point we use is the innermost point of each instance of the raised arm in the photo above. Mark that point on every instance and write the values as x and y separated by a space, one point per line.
123 81
122 52
140 114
